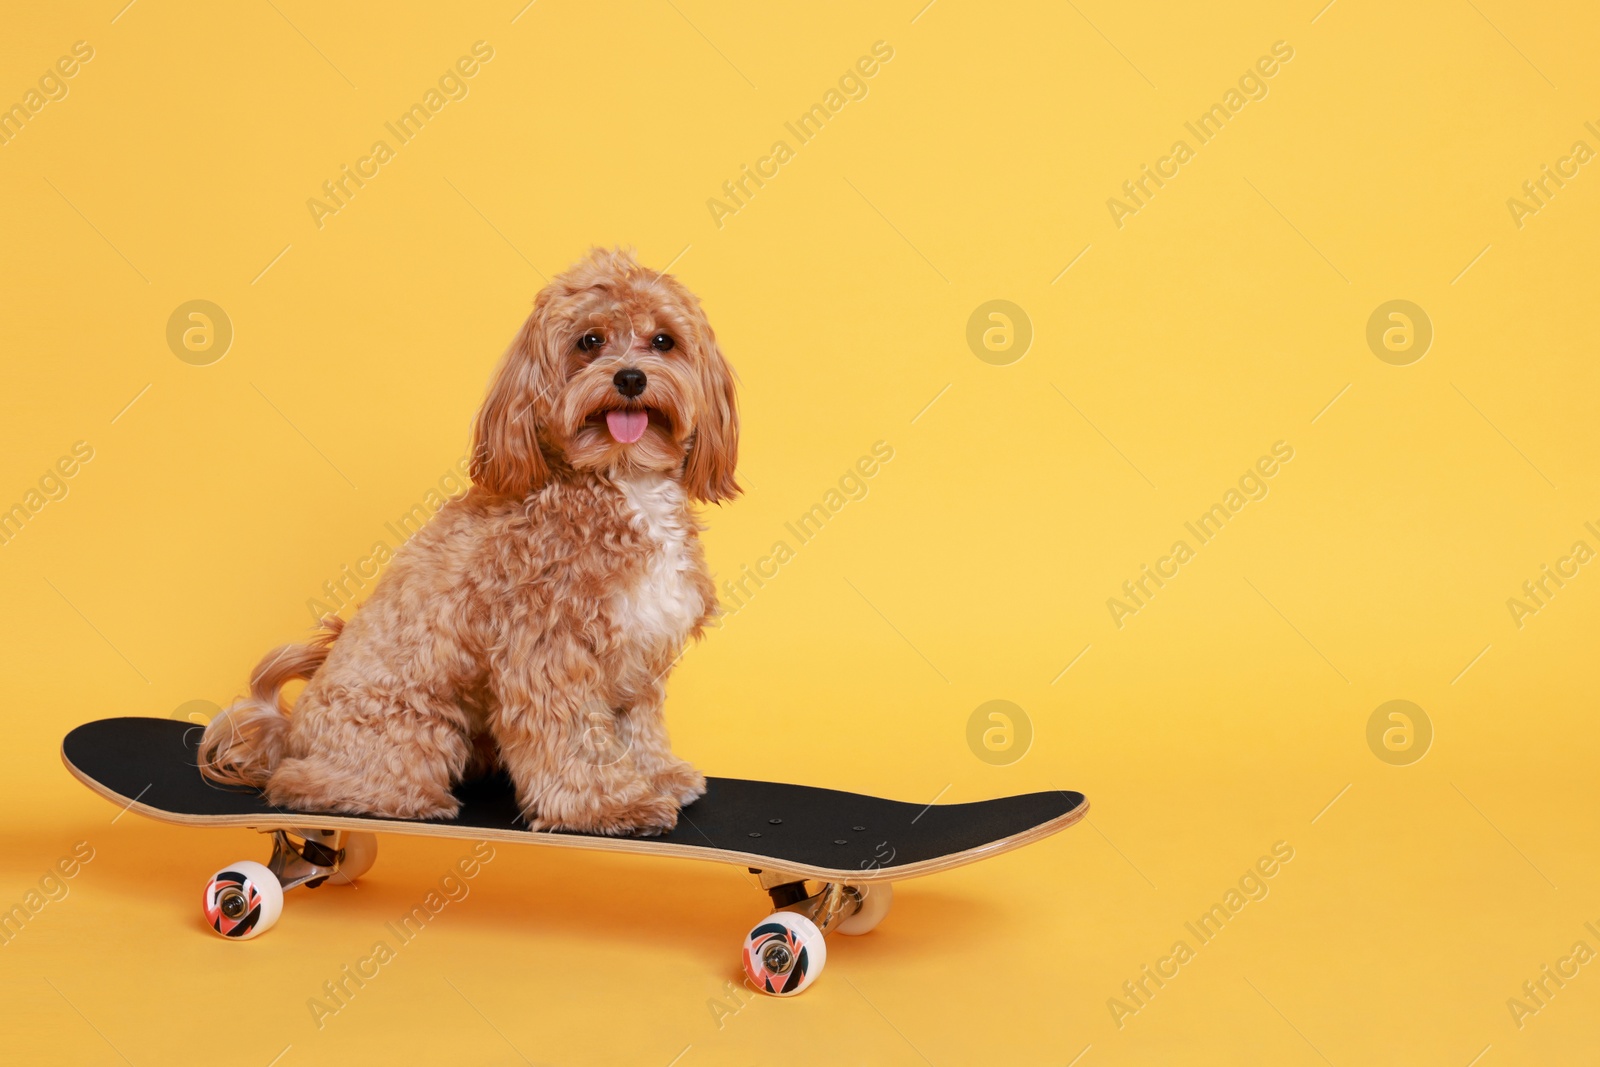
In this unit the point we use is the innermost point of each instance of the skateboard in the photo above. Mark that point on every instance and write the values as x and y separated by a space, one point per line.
827 859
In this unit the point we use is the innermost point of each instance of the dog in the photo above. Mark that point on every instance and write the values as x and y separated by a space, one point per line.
532 622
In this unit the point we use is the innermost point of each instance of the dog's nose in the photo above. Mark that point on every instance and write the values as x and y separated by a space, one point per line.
630 381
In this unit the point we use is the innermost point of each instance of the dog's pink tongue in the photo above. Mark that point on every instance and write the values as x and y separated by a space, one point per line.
627 426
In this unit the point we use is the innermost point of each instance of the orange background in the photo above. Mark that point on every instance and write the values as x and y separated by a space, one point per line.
1167 354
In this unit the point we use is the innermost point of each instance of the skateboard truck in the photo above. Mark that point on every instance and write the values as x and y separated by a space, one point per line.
836 903
826 908
310 864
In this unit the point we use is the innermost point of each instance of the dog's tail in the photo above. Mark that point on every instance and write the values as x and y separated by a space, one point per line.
243 744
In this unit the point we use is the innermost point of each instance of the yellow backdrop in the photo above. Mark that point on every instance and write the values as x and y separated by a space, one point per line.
1225 375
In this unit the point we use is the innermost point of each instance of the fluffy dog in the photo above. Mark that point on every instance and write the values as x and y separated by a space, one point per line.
533 620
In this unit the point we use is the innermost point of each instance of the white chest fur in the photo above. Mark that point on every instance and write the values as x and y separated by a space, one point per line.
662 607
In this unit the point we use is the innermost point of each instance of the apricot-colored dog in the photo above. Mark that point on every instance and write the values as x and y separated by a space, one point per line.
533 621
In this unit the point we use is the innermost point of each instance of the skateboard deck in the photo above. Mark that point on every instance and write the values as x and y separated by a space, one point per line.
149 766
791 835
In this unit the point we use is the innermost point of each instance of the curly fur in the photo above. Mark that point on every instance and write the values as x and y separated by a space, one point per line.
533 621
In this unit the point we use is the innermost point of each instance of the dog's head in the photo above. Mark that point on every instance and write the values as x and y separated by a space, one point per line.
615 370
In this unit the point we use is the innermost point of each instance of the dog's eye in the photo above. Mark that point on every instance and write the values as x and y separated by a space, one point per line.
662 343
591 341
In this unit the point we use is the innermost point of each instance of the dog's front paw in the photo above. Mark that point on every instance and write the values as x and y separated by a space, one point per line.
683 783
650 817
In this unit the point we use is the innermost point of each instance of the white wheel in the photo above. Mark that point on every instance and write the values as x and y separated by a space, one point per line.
876 898
242 900
360 853
784 953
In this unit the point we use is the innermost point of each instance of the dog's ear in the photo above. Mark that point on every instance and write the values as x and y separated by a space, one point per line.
506 459
714 453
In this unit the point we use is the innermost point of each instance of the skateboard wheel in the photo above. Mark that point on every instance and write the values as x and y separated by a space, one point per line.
242 900
784 953
360 853
876 899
